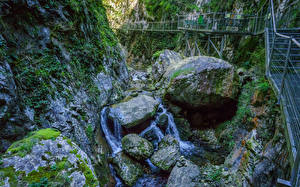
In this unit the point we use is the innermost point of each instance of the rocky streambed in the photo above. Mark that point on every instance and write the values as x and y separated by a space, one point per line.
172 129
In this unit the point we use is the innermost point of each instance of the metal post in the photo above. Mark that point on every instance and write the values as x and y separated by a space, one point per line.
295 173
208 45
285 70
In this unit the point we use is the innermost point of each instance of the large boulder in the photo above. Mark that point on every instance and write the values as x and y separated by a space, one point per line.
127 169
134 111
168 153
137 147
46 158
184 174
164 60
201 82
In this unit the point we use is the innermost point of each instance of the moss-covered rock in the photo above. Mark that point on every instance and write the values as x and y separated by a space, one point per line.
167 154
137 147
46 158
134 111
127 169
201 82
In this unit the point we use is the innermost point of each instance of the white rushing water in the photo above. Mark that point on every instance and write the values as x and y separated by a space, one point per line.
185 146
114 141
114 138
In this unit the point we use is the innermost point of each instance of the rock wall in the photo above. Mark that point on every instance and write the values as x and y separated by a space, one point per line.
60 63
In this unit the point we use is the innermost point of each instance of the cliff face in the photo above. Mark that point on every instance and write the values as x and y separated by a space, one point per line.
60 63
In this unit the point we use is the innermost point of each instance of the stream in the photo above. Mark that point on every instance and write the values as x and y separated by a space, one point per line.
153 133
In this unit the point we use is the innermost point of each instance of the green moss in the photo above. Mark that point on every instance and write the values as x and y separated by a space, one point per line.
24 146
74 151
9 172
90 132
181 72
157 54
90 178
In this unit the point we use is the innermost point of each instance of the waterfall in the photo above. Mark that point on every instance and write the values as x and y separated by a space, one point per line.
113 140
185 146
117 179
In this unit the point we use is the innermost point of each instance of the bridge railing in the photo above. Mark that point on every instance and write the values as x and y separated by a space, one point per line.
151 26
283 70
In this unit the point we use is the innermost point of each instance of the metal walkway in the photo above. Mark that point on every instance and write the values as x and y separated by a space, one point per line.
216 23
282 60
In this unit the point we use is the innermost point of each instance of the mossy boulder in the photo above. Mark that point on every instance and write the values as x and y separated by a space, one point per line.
137 147
168 153
184 174
201 82
164 60
46 158
134 111
127 169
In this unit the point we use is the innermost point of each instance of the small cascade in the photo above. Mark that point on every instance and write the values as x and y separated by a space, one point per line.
153 168
117 179
185 147
113 140
152 133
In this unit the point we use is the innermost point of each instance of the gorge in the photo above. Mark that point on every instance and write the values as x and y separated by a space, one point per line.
86 102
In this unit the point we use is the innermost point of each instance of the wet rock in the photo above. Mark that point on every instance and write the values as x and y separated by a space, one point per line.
127 169
183 127
47 154
184 174
137 147
134 111
168 153
163 121
13 124
201 82
160 66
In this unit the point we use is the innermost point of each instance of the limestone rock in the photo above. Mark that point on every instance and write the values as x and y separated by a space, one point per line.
127 169
47 157
167 154
166 58
201 82
134 111
184 174
137 146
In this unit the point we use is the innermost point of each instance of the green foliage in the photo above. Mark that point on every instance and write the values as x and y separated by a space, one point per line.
74 151
53 167
34 74
216 175
263 86
24 146
43 183
89 132
9 172
157 54
169 8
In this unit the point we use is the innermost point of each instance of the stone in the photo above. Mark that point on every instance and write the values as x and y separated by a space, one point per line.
201 82
168 153
184 128
134 111
184 174
47 153
127 169
160 66
137 147
13 124
163 121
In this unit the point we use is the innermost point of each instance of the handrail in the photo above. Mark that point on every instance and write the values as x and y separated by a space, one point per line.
275 29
